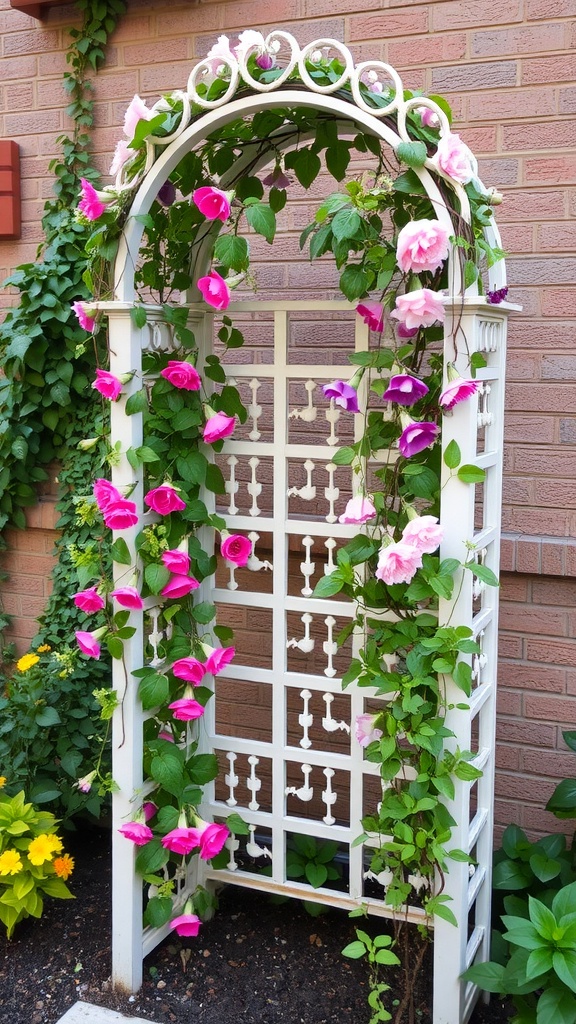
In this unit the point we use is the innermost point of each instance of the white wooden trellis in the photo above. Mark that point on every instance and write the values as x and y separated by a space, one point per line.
471 325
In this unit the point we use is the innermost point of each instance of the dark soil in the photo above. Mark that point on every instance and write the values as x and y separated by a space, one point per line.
256 962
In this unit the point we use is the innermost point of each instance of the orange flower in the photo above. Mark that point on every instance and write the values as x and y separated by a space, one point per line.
64 866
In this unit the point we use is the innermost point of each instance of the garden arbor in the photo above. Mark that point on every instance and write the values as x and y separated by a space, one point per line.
298 770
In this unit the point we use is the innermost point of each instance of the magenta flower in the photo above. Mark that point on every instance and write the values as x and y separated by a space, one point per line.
218 426
212 838
420 308
166 194
454 158
277 179
397 563
217 658
190 669
358 511
404 332
122 154
120 515
236 549
137 832
104 493
213 203
179 586
164 500
176 561
496 296
182 375
89 601
214 290
90 204
187 925
128 597
166 736
186 709
416 437
343 394
135 111
423 533
181 840
365 729
422 245
107 384
149 809
429 117
88 644
372 314
456 391
404 389
87 322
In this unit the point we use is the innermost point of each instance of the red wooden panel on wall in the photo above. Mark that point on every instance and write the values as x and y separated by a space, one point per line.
9 189
35 8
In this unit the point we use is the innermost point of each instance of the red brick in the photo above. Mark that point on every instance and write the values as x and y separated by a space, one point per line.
537 821
514 41
559 236
474 76
549 69
525 334
510 646
553 652
506 103
517 238
17 68
406 22
131 28
559 368
568 431
409 51
529 619
514 588
555 592
467 13
521 788
31 123
553 559
507 554
544 462
503 172
552 170
545 397
555 493
548 135
507 757
520 204
558 765
522 367
551 522
36 41
509 703
533 677
567 101
536 9
164 50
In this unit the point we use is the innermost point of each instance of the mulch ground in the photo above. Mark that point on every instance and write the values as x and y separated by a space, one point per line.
254 963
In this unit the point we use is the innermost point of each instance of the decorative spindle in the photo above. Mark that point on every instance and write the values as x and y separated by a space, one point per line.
253 783
254 410
306 644
330 647
254 488
309 413
232 845
305 719
155 638
331 493
232 582
308 492
332 414
306 792
254 564
231 779
252 848
329 797
479 586
330 544
232 484
307 567
328 723
485 417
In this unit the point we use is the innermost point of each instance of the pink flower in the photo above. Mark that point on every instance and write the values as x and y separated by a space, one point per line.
358 511
186 709
365 730
212 838
122 154
105 492
85 783
397 563
88 644
429 117
422 245
416 437
458 390
137 832
423 533
372 314
181 840
454 158
87 322
120 515
218 426
89 601
166 736
107 384
421 308
128 597
176 561
90 204
343 394
220 52
213 203
214 290
404 332
135 111
182 375
164 500
149 809
187 925
190 669
236 549
404 389
217 658
179 586
277 179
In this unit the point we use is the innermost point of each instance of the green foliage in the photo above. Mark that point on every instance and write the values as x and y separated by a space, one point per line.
378 952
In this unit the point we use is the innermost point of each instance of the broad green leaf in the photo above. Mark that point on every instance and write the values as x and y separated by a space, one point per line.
204 612
316 874
120 552
156 577
344 456
166 769
305 164
487 976
470 474
158 911
138 402
564 798
564 901
385 956
346 224
237 825
328 585
354 950
564 964
483 573
153 690
511 875
556 1005
151 857
542 918
452 455
138 316
232 251
412 153
544 868
202 768
353 282
337 159
48 716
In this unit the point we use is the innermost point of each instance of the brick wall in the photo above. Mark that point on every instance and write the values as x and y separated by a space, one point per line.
508 70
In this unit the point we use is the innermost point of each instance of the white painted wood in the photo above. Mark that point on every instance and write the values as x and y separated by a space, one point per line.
88 1013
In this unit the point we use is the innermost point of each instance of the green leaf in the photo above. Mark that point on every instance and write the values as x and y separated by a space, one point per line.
138 316
337 159
469 474
305 164
353 282
346 224
328 585
412 153
166 768
237 825
120 553
344 457
563 798
18 347
204 612
232 251
138 402
542 918
564 963
153 690
262 219
277 197
203 768
354 950
452 455
487 976
470 273
158 911
115 647
47 717
544 868
511 875
156 577
556 1006
483 573
151 857
316 874
409 182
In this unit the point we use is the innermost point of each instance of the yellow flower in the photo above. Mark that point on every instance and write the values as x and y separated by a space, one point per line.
26 662
55 842
10 863
64 866
2 781
41 849
43 648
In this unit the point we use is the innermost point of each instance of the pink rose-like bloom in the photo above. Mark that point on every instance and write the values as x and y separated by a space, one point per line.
88 644
107 384
416 437
423 533
89 601
135 111
429 117
397 563
213 203
190 669
421 308
176 561
343 394
372 314
181 840
214 290
422 245
405 389
128 597
212 838
220 52
358 511
217 658
164 500
365 731
90 205
236 549
187 925
404 332
122 154
149 809
137 832
104 493
87 323
454 158
179 586
186 709
218 426
457 391
120 515
182 375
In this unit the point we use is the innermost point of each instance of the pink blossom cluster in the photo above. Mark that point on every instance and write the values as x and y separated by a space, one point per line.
118 513
399 561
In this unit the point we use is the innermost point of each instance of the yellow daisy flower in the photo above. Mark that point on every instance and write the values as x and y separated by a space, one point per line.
64 866
55 842
2 781
26 662
10 863
43 648
41 849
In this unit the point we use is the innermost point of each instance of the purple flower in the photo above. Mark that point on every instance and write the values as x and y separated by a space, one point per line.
167 194
457 390
404 389
497 296
416 437
343 394
277 179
